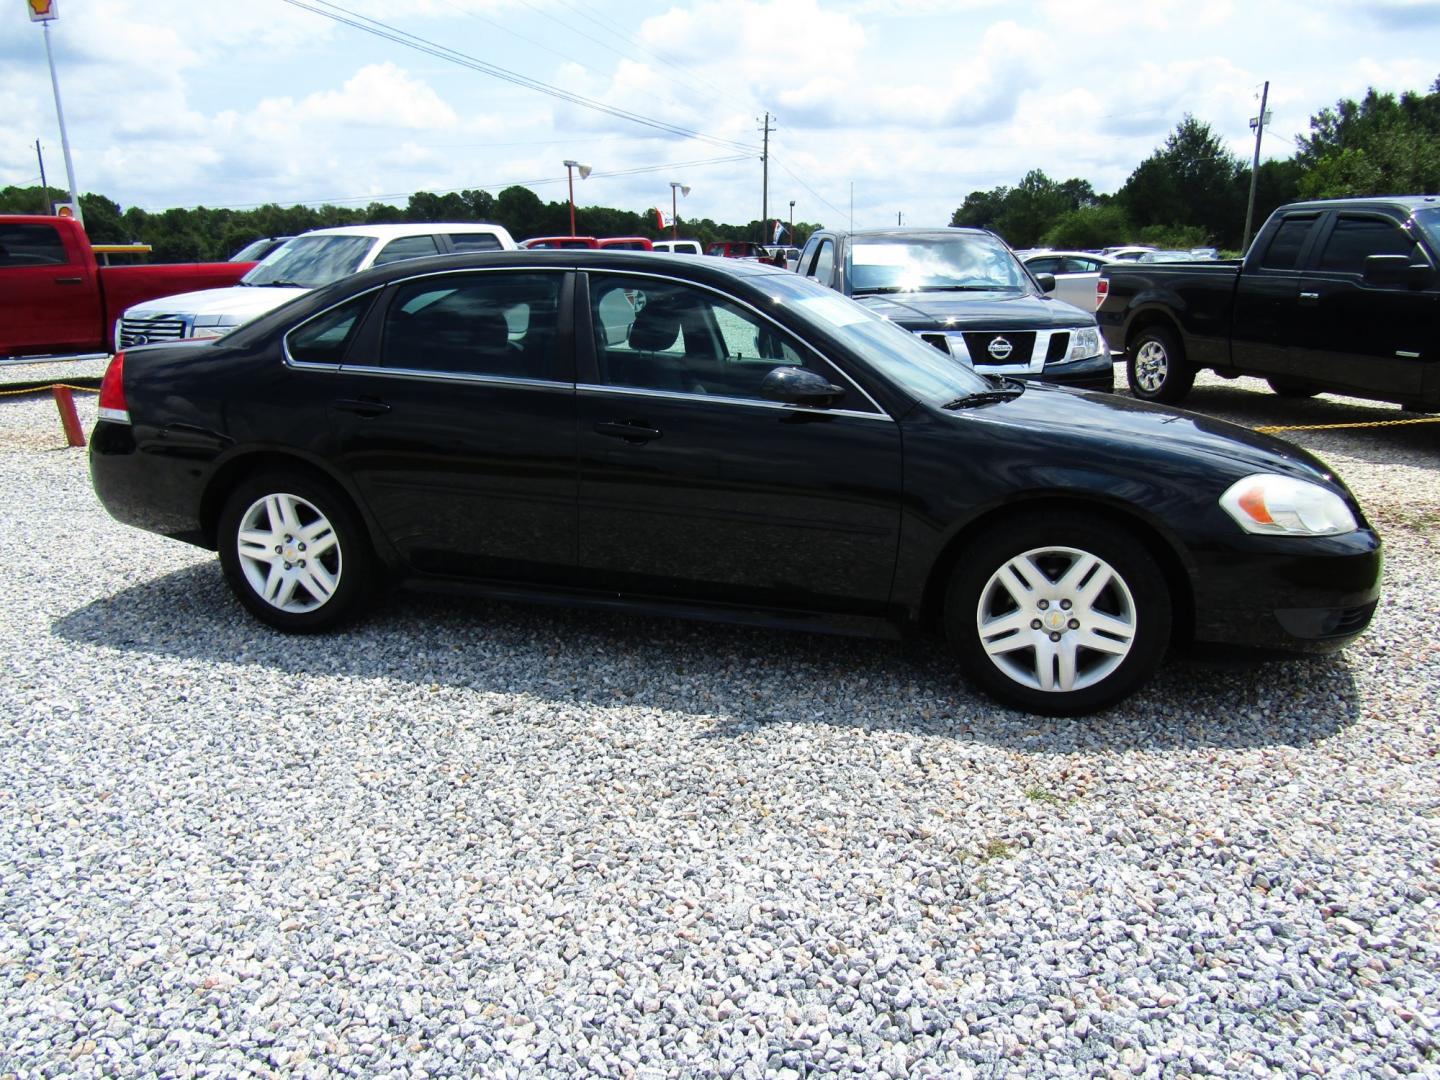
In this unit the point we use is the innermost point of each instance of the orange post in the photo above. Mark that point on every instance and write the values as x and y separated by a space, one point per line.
69 418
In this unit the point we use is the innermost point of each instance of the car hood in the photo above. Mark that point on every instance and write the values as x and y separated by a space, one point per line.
243 301
979 311
1115 432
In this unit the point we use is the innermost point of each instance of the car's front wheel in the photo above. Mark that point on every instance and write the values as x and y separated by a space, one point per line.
1156 367
1061 617
294 552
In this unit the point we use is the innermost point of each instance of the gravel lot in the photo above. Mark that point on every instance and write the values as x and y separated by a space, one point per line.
484 839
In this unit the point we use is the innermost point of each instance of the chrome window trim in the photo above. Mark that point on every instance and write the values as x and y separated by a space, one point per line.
475 378
785 330
722 399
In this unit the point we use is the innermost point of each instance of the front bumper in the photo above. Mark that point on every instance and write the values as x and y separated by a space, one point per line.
1295 595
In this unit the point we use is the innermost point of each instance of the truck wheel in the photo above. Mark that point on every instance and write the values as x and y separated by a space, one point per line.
1059 615
294 553
1156 368
1287 389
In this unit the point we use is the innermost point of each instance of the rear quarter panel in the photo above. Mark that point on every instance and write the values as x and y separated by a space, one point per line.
1197 300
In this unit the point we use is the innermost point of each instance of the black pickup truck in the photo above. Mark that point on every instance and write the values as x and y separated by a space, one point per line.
1339 295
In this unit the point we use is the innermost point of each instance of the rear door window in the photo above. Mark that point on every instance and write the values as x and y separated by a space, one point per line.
407 247
1287 243
493 324
324 339
824 269
475 242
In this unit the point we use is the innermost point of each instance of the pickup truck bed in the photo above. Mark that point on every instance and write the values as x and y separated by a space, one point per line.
1334 296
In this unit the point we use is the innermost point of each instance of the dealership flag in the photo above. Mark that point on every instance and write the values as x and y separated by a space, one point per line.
663 219
779 231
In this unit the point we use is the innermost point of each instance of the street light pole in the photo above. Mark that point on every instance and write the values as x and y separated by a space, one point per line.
570 178
60 116
792 221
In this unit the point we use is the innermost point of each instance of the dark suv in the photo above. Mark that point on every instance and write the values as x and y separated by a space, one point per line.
965 292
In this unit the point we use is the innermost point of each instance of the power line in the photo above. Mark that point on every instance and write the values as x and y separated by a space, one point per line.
412 41
806 186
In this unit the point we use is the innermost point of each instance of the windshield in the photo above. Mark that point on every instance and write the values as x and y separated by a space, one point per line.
1429 222
897 354
311 261
964 261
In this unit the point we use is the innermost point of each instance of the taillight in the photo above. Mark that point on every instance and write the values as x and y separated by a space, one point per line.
1102 290
112 392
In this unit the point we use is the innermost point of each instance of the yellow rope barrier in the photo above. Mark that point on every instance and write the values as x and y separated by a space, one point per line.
50 386
1336 427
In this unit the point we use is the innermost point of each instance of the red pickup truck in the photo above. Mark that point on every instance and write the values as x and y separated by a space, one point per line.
55 300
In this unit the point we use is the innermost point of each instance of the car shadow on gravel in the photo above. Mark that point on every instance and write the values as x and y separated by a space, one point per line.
733 680
1418 442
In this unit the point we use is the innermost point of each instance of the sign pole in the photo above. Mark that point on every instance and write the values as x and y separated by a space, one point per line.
60 115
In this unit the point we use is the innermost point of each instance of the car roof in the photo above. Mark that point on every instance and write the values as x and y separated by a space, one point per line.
900 233
409 228
1370 202
1049 254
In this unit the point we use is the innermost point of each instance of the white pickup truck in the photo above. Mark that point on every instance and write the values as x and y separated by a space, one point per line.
307 262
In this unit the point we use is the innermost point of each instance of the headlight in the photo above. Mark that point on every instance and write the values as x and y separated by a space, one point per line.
1084 343
1282 505
213 326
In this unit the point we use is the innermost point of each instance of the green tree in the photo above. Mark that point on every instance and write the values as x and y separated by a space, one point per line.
1378 144
1095 226
1192 180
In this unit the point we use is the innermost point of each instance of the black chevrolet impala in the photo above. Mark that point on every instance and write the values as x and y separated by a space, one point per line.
726 440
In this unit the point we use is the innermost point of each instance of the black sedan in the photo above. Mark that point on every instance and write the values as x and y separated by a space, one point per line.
720 439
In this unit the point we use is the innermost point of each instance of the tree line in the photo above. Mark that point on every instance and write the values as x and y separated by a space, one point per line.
1192 191
207 234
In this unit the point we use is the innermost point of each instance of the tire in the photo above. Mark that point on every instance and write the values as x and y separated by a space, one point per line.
1287 389
1008 582
1156 368
323 574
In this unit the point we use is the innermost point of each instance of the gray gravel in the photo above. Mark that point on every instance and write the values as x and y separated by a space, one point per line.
481 839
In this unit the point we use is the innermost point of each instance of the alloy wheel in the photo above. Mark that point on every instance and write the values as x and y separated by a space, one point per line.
289 553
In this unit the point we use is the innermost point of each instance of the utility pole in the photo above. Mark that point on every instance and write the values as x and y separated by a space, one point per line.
60 116
899 218
44 187
1259 125
765 181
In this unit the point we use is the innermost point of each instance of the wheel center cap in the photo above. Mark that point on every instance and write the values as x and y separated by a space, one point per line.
1056 620
292 553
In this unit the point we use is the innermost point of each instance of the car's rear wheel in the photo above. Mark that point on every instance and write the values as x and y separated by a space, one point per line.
1156 367
294 552
1288 389
1060 617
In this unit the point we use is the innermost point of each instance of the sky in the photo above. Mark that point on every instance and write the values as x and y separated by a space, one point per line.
904 106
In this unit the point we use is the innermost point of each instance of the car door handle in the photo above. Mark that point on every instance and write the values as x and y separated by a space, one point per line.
632 431
1310 299
366 407
69 281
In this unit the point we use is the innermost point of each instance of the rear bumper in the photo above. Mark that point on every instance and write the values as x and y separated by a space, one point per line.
1305 596
152 491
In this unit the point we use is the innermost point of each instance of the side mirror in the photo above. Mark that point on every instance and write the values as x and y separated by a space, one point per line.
1395 270
1046 282
799 386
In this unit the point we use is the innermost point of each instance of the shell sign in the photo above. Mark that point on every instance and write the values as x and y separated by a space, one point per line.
42 10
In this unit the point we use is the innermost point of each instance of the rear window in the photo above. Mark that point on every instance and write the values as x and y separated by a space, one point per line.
31 245
475 241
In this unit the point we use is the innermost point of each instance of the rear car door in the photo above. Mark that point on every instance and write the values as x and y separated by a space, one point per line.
49 298
695 488
454 415
1267 323
1367 337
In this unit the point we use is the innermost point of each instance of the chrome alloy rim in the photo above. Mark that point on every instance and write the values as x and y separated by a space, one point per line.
289 553
1151 365
1056 619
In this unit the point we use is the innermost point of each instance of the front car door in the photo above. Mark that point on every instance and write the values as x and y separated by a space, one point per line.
693 487
1368 337
51 300
454 415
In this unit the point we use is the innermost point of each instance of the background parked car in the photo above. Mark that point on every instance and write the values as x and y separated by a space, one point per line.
307 262
1075 273
558 242
735 249
678 247
964 292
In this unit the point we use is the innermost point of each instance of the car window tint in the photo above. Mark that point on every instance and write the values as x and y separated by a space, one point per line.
1044 266
1073 265
324 338
682 339
824 262
1285 246
407 247
31 245
1356 238
474 324
474 242
807 257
